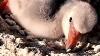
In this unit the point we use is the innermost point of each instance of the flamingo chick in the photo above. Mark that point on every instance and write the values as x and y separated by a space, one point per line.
73 19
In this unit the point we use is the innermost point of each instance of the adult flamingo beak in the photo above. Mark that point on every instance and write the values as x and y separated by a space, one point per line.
3 5
73 37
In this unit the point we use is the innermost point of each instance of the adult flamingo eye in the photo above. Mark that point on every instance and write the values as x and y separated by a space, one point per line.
70 20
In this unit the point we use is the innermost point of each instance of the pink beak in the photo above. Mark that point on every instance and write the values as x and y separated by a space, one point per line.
73 37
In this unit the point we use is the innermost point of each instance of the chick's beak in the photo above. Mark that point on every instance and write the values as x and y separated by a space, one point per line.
73 37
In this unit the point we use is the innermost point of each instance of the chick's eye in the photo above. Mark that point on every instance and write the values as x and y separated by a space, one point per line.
70 20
